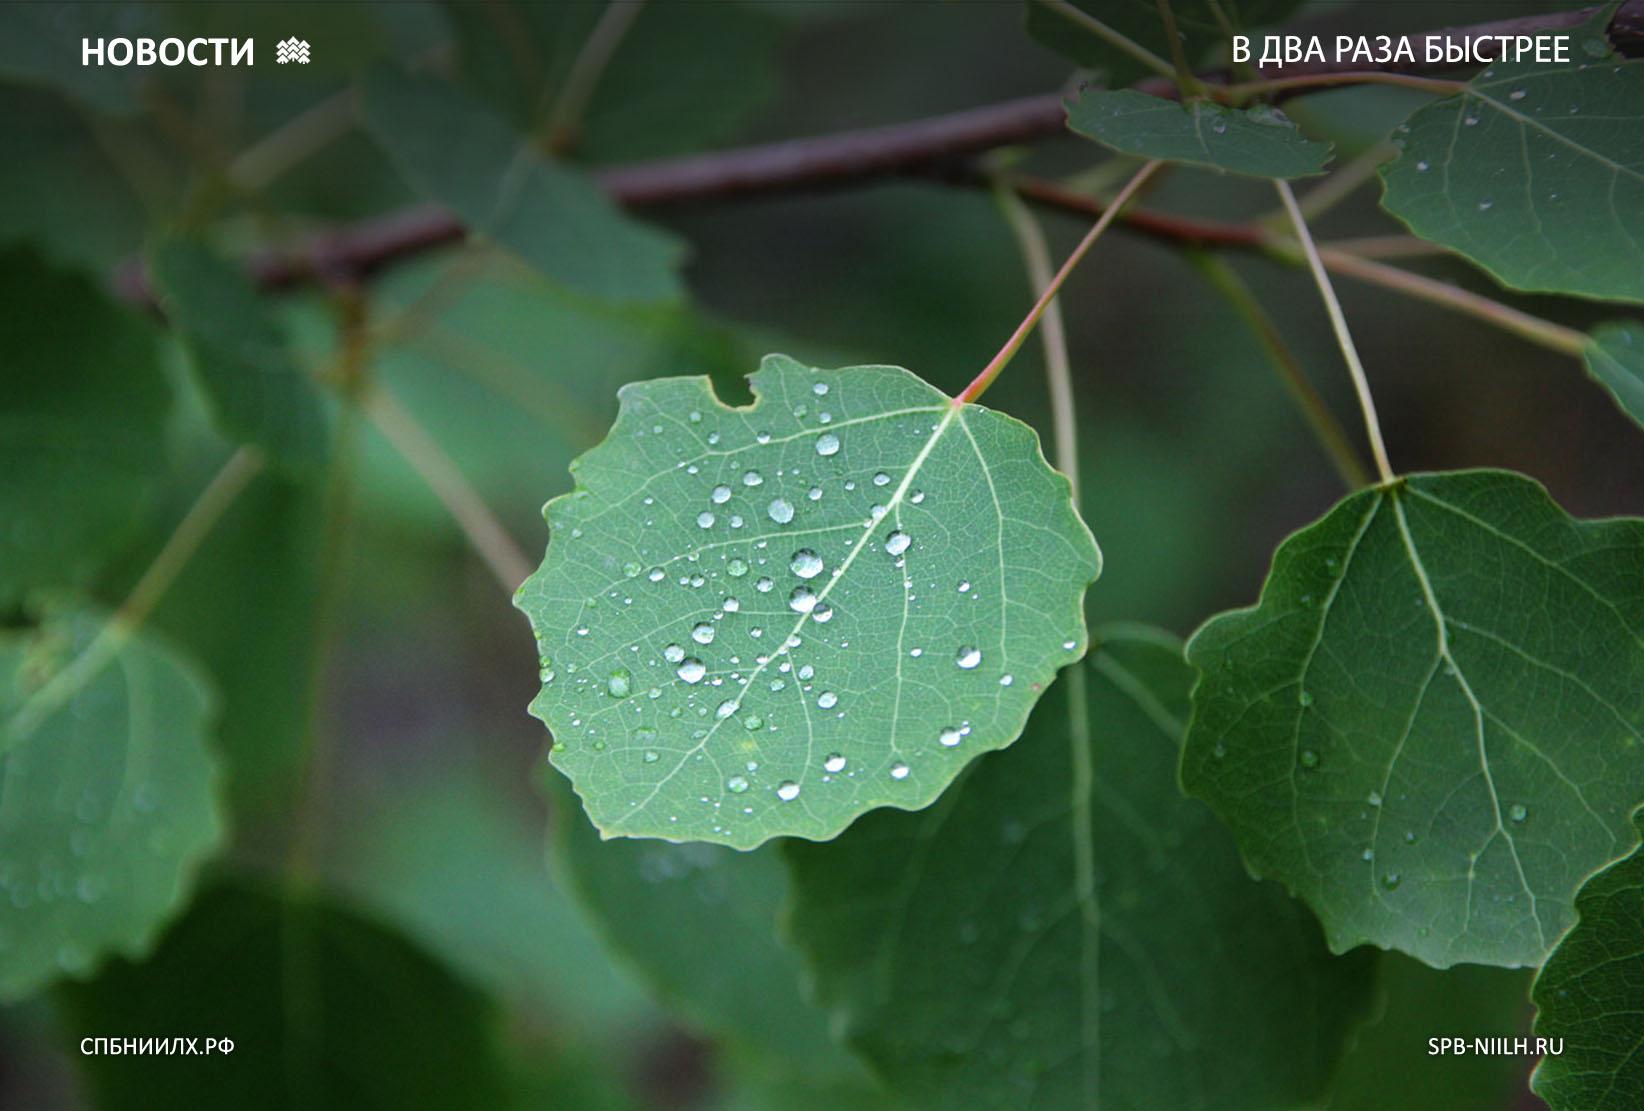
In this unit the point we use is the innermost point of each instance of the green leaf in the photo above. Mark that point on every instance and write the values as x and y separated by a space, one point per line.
1428 728
1535 172
325 1009
83 405
40 44
1389 1064
257 393
1587 997
1616 358
765 621
699 924
1260 141
1138 20
107 794
1048 936
455 151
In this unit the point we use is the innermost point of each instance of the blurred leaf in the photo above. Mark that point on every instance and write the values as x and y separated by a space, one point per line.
1587 996
257 393
1616 358
326 1009
1573 136
698 923
246 610
1390 1064
431 852
1428 728
557 219
83 404
40 45
1042 939
518 56
788 701
107 794
1259 141
1138 20
515 378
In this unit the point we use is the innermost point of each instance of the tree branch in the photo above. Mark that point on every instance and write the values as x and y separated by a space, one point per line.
937 145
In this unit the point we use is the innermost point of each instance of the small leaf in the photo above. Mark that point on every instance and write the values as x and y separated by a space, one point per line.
1260 141
1428 728
1199 21
257 392
699 923
1047 938
1616 358
455 151
765 621
1535 172
325 1009
1587 997
109 795
83 407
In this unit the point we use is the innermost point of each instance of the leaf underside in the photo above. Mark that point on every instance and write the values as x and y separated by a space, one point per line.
1616 358
1038 939
107 804
1429 727
1260 141
765 621
1535 172
1588 994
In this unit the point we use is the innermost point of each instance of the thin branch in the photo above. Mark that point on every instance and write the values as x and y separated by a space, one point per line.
1566 341
179 548
829 160
293 142
1340 185
1344 338
1185 81
1326 429
1313 81
998 363
483 531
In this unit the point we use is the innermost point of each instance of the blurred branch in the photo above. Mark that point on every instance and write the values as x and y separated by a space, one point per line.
931 146
571 103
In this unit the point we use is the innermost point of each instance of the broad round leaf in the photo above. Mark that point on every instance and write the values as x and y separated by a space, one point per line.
107 797
1429 727
1535 172
1064 929
1616 358
1260 141
1587 996
765 621
325 1008
83 405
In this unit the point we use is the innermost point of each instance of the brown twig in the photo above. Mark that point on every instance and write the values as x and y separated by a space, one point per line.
926 146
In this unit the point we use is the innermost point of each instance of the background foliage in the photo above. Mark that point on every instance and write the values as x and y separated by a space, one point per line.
297 799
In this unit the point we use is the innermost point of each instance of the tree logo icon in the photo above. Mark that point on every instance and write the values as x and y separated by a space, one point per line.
291 50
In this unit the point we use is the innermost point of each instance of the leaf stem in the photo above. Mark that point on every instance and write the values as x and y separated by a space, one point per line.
1557 337
479 525
1189 85
985 379
1338 186
590 64
1332 438
220 493
1116 39
1372 427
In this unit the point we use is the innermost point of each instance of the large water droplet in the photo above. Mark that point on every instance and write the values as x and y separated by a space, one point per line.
806 564
736 784
725 709
802 600
720 495
702 633
968 657
787 790
691 670
827 700
619 684
950 737
899 770
673 653
835 763
781 511
897 542
827 444
704 519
